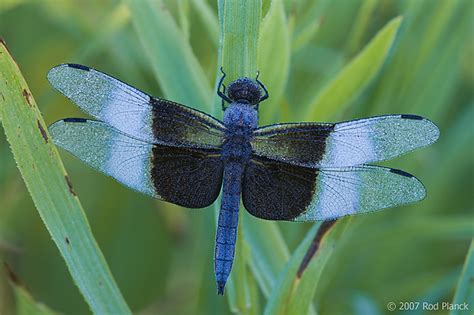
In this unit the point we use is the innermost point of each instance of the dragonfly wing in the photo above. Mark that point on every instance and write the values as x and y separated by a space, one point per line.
274 190
133 112
189 177
344 144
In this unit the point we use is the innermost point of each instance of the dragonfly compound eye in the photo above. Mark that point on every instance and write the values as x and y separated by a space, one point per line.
244 90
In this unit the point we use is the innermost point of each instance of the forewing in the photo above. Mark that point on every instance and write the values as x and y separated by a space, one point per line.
189 177
344 144
133 112
274 190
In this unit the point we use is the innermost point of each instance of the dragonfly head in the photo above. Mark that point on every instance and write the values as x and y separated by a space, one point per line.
244 90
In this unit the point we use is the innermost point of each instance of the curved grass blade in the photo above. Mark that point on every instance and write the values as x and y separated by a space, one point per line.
179 73
352 80
361 23
24 302
239 37
274 56
298 281
465 290
26 305
52 191
208 18
269 252
303 38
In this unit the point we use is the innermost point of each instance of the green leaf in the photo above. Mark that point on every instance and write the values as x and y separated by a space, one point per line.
24 302
183 13
361 23
269 252
274 56
355 77
296 283
465 289
179 73
208 18
306 35
365 305
52 191
239 37
26 305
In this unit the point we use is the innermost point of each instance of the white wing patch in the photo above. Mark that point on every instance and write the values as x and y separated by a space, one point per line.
108 150
348 147
360 189
128 161
377 139
334 197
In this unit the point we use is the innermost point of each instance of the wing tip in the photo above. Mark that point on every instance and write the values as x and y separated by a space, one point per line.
416 188
54 71
435 133
417 185
431 129
55 128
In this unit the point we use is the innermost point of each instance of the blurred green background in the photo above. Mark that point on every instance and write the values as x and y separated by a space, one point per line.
162 255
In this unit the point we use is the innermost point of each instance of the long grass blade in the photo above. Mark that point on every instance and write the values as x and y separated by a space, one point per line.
298 281
465 290
179 73
352 80
52 191
274 56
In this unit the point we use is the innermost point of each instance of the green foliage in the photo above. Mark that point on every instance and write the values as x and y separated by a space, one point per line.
298 281
51 190
320 60
465 288
351 81
178 71
25 303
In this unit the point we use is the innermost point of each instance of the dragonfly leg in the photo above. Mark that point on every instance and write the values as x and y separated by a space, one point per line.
265 96
222 94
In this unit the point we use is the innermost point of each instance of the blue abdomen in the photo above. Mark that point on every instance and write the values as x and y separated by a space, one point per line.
227 223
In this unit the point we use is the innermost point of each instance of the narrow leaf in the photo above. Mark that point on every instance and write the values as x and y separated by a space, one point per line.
52 191
208 18
352 80
239 38
26 305
361 23
178 71
298 281
269 252
274 56
24 302
465 290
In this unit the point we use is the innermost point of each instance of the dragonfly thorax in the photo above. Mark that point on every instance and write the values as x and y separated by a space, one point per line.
240 121
241 116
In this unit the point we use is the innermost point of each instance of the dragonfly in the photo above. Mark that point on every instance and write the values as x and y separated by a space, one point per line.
288 171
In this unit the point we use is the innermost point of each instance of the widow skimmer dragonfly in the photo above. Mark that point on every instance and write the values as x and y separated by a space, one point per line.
290 171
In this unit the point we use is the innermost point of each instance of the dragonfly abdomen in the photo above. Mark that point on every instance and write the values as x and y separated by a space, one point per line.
227 223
